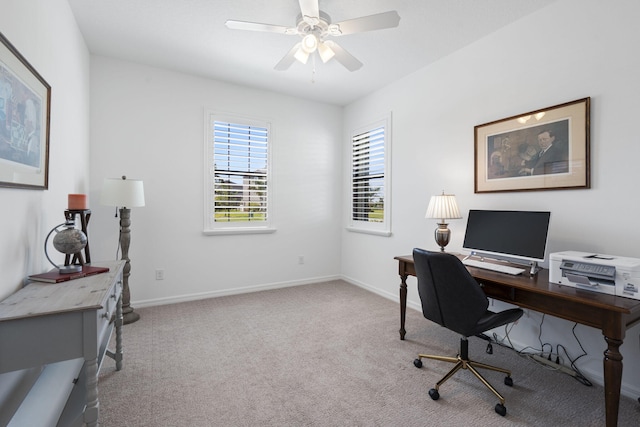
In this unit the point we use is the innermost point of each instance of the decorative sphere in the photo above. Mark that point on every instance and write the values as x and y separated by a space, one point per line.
70 241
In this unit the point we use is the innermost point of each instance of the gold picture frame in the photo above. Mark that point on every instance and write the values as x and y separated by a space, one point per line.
546 149
25 102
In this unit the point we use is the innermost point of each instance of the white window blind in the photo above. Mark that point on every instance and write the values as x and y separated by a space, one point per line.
238 164
370 207
368 176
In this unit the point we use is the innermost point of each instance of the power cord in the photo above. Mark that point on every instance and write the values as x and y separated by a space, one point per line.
579 376
539 355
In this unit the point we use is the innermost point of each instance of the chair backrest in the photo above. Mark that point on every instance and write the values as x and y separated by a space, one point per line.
450 296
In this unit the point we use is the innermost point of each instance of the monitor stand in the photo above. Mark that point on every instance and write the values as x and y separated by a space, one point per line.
534 268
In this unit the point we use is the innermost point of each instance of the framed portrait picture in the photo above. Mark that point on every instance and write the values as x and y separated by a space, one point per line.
25 100
546 149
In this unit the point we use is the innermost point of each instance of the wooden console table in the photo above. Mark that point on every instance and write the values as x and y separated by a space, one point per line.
612 315
53 338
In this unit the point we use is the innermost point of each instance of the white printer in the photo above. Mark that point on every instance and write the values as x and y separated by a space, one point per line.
608 274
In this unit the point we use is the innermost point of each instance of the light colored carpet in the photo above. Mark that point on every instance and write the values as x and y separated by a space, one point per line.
326 354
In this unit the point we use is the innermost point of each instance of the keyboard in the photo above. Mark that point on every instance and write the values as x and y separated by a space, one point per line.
514 271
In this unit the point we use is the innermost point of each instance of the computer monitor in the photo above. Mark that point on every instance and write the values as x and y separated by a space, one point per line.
521 235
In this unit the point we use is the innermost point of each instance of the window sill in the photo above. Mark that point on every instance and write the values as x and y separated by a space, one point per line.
245 230
383 233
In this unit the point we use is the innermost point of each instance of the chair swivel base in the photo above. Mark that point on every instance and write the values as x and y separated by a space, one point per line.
464 363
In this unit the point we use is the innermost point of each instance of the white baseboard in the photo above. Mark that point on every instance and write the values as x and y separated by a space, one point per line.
226 292
388 295
384 294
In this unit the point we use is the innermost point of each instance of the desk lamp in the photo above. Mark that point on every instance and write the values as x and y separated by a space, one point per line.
443 207
125 193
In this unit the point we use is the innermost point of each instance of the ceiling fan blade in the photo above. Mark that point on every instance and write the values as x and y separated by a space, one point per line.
310 11
288 59
256 26
378 21
342 56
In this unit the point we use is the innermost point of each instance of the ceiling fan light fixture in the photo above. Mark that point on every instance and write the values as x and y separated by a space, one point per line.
301 55
309 43
314 26
325 52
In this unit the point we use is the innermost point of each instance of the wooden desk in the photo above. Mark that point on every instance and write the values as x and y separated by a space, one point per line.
45 324
612 315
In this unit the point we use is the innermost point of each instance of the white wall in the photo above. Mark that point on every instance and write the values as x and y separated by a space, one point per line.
45 33
567 51
147 123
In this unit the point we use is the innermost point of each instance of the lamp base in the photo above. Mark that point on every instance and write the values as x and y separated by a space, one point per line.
442 235
129 316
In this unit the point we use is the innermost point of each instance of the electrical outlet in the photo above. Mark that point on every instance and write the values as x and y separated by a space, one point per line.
300 259
159 274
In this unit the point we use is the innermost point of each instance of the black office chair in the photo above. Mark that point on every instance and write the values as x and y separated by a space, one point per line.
452 298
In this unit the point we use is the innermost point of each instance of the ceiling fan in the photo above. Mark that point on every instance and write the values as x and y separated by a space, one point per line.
315 27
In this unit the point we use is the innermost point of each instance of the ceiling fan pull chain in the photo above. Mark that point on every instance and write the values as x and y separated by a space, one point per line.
313 69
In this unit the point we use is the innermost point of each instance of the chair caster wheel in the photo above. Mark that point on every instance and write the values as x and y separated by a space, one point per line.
434 394
508 381
417 363
501 410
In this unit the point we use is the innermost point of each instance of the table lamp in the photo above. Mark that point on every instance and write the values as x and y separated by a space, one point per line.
443 207
125 193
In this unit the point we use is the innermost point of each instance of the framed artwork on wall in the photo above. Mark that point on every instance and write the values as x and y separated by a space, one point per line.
545 149
25 101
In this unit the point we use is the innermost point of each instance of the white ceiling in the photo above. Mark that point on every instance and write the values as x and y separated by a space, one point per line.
190 36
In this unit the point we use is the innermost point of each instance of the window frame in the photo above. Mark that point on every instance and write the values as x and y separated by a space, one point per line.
211 227
382 228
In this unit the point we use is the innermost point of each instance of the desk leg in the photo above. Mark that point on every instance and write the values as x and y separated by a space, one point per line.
403 304
119 322
91 412
612 379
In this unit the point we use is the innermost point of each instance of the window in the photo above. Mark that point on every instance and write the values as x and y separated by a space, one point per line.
370 181
237 174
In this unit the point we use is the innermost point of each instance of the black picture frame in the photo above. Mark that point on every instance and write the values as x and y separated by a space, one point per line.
25 104
547 149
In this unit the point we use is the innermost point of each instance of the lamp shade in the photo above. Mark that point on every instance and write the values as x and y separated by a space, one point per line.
301 55
309 43
443 207
126 193
325 52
